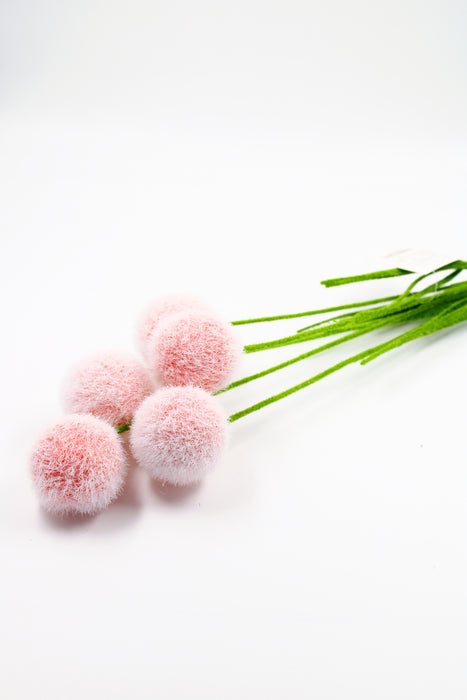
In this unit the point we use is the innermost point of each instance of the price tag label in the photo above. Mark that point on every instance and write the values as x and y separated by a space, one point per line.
419 261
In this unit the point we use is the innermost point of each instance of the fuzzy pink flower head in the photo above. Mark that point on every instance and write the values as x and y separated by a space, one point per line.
157 311
78 466
179 434
110 386
194 349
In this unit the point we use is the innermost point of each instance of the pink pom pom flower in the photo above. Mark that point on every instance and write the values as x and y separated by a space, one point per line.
110 386
179 434
159 310
78 466
194 349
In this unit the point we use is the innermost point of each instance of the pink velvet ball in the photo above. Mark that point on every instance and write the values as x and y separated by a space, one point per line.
110 386
157 311
78 466
179 434
194 349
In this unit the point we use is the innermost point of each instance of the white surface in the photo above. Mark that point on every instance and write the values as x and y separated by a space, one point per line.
241 151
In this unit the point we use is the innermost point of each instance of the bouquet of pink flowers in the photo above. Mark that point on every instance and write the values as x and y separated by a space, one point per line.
168 402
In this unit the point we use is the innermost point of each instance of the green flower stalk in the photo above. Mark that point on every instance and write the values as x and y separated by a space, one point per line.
438 306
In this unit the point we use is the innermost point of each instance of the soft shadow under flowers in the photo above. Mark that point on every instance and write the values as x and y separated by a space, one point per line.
174 494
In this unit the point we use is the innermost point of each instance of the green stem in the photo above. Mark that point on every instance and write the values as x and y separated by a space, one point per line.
394 272
123 428
456 313
315 312
367 329
456 265
380 274
297 387
287 363
436 288
433 289
412 307
323 332
334 319
342 307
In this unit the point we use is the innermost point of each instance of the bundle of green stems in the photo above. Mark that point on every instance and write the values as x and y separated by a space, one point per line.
434 307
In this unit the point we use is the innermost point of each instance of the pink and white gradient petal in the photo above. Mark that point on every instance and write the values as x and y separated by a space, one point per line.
78 466
179 434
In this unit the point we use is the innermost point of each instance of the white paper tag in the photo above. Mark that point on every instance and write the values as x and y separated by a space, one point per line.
419 261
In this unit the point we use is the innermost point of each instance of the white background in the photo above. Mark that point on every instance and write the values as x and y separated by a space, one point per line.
241 151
